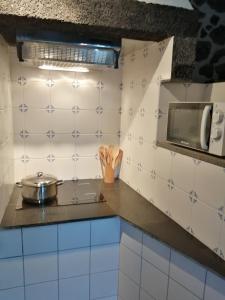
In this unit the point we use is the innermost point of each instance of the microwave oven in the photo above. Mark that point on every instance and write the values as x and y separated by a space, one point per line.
197 125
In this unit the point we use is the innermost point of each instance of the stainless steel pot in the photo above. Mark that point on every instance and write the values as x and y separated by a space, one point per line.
39 188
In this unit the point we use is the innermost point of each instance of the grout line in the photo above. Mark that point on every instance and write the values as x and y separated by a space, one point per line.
119 244
184 287
149 262
103 298
167 292
89 282
142 239
41 282
204 290
23 264
58 258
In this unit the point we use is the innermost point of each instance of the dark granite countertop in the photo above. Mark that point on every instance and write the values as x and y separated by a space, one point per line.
121 201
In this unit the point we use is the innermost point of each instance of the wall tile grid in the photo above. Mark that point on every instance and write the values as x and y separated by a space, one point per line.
150 270
189 191
61 118
6 137
67 261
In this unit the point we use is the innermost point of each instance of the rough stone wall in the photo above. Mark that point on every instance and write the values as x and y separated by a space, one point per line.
126 18
210 48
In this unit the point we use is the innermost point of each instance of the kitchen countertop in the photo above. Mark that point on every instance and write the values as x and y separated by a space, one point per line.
124 202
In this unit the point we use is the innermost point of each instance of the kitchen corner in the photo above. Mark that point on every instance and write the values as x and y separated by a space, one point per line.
112 144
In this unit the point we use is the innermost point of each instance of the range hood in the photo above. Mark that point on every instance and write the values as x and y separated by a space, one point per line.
63 52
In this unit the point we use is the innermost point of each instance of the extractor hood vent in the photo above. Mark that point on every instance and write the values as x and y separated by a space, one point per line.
38 51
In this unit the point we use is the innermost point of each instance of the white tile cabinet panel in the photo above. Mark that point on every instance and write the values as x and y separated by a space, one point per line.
104 258
178 292
205 231
213 194
128 290
215 287
145 296
188 273
12 294
74 262
40 268
74 288
156 253
130 264
10 243
105 231
153 281
131 237
39 239
11 274
103 284
74 235
43 291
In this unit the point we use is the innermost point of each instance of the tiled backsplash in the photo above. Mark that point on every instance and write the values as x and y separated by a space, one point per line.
6 137
191 192
61 118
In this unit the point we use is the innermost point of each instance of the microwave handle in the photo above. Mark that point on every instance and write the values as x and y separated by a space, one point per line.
203 133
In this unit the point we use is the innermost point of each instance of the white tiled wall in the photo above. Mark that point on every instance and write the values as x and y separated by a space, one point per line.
65 262
6 154
189 191
150 270
61 118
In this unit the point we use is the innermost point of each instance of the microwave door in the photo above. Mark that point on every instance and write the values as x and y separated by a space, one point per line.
187 126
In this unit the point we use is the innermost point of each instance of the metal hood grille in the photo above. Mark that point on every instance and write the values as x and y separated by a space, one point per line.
67 53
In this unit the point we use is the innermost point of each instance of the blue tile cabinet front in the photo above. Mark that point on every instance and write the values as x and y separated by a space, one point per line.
71 261
105 259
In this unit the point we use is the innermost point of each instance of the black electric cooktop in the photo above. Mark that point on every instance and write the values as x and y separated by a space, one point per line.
80 192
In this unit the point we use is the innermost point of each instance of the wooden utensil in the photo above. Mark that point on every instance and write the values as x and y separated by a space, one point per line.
110 158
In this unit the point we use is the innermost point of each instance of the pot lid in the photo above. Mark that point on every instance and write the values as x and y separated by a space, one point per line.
40 179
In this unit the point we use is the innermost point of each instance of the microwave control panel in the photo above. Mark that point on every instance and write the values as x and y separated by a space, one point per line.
217 136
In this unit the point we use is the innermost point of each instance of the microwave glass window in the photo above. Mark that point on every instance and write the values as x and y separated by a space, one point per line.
184 125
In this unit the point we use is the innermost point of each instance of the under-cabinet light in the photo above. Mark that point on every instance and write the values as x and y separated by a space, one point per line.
69 69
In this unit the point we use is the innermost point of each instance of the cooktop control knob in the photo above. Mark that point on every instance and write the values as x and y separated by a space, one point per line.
218 117
216 134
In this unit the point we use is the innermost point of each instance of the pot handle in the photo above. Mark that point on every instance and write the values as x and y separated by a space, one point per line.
59 182
19 184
